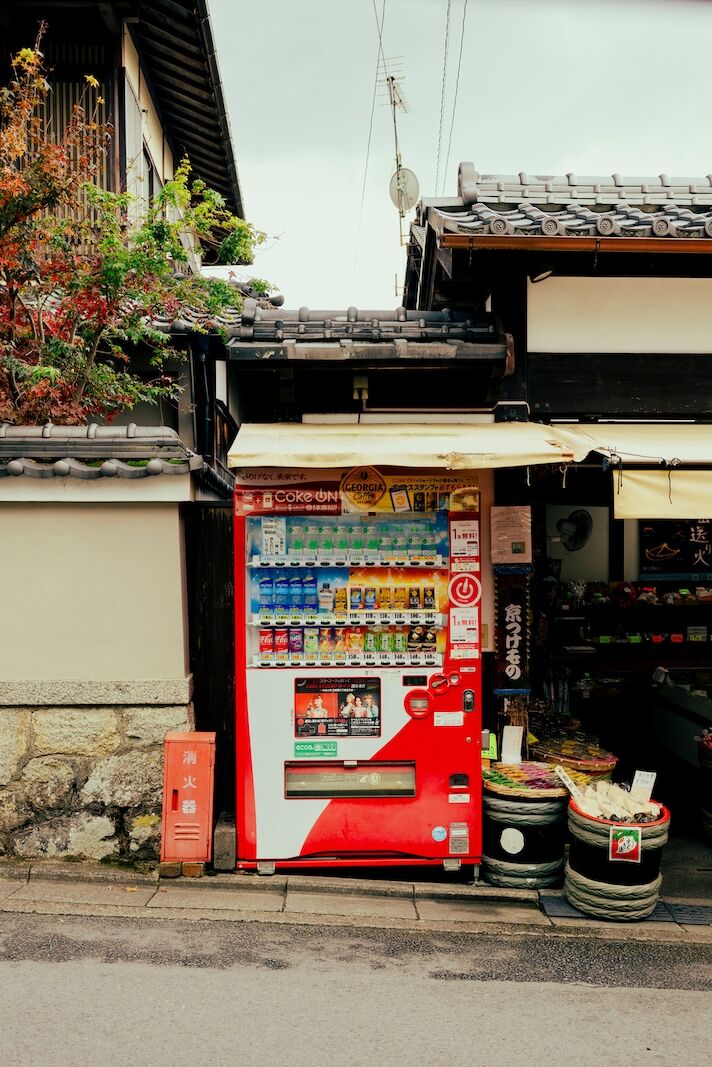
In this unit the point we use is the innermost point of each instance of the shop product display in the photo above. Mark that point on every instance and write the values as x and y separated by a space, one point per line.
575 753
527 777
603 800
705 738
524 808
613 868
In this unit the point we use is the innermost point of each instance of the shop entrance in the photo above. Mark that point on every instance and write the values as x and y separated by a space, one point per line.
619 670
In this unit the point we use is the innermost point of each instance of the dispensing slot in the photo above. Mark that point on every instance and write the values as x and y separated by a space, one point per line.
332 780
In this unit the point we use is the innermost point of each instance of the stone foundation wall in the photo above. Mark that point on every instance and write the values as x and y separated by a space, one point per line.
84 781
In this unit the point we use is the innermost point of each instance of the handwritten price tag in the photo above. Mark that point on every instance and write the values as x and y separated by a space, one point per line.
569 783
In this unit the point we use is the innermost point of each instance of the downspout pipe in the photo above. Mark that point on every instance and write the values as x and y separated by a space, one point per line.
200 349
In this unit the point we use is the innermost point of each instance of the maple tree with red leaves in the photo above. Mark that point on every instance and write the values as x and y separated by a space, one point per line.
83 272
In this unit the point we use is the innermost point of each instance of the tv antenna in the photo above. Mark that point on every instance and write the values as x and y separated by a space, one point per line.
403 190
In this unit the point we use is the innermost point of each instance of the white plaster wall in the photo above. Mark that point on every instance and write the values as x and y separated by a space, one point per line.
92 591
151 125
662 315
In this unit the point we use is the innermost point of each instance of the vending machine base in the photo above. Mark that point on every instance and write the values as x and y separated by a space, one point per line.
267 867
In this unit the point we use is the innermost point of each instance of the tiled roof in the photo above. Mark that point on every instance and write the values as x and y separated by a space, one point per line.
560 189
93 451
190 319
306 324
354 333
571 206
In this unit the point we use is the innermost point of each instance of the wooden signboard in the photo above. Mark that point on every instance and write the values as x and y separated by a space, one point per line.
676 549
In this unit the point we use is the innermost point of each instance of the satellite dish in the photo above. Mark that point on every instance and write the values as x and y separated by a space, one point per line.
404 190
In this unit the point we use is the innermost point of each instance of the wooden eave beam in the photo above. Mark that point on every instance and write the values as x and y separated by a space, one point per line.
509 242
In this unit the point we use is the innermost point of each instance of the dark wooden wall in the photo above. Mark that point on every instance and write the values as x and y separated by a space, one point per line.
209 564
590 385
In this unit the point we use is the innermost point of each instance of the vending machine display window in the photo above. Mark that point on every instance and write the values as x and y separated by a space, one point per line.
353 590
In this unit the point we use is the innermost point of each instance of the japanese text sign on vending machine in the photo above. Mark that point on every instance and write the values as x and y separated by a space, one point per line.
189 760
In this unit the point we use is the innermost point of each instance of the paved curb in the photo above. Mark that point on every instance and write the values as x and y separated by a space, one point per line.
61 871
611 932
334 912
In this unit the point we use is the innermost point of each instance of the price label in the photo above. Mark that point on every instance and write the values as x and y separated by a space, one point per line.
569 783
643 785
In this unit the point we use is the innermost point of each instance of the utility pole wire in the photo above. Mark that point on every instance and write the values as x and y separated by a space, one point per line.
442 93
379 60
457 86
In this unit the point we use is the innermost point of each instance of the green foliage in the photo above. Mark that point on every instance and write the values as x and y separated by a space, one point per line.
260 286
84 274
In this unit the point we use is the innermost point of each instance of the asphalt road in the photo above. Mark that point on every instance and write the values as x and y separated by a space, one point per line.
86 991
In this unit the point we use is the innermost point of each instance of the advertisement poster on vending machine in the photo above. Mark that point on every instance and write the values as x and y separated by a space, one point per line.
337 707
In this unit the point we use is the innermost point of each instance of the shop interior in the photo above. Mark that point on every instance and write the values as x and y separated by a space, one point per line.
620 640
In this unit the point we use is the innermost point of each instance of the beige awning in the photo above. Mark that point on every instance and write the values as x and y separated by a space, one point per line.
673 494
446 446
640 444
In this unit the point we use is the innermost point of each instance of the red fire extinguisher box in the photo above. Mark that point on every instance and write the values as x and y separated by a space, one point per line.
187 831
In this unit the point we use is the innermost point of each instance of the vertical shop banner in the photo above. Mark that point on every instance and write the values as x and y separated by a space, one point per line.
512 628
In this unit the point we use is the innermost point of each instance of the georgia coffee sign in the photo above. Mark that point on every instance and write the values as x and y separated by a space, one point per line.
363 487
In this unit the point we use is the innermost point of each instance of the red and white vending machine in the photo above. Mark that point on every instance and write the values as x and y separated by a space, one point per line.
358 668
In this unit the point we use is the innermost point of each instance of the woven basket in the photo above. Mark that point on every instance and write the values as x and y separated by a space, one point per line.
518 773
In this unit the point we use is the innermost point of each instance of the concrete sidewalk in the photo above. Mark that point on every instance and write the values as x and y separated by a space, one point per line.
60 888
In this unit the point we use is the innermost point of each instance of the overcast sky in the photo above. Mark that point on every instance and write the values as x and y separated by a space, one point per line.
589 86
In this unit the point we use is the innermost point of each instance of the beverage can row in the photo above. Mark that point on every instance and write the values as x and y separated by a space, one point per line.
392 598
337 642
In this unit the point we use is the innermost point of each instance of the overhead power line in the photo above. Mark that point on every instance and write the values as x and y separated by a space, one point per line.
380 62
457 86
442 93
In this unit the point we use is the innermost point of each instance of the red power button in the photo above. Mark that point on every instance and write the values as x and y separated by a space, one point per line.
464 590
